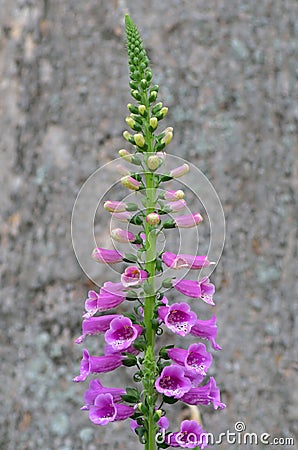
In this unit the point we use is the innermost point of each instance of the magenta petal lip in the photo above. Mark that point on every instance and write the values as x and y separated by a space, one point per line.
172 382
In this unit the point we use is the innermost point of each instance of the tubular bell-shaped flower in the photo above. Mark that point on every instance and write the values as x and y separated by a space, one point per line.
191 435
122 333
188 221
97 364
173 382
105 410
96 388
204 395
178 318
106 256
184 260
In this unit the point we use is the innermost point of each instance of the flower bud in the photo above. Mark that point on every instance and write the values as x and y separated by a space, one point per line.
133 108
152 96
162 113
142 109
130 122
153 123
153 162
167 138
156 108
179 171
126 135
130 183
139 140
114 206
144 84
125 155
135 94
153 218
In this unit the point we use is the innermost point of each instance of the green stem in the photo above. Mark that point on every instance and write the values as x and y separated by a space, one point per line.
150 295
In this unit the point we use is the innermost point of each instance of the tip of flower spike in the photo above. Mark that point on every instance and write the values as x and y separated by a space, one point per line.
128 21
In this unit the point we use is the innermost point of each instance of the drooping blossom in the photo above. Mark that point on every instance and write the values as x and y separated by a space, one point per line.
105 410
195 359
188 221
178 318
178 261
172 382
196 289
107 256
97 364
122 236
191 435
133 276
96 388
204 395
110 296
206 329
122 333
95 325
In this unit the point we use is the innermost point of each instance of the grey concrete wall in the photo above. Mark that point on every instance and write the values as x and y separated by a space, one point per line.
228 72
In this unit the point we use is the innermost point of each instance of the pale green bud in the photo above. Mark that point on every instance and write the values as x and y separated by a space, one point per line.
139 140
126 135
167 138
125 155
153 122
162 113
132 108
142 109
152 96
153 162
130 122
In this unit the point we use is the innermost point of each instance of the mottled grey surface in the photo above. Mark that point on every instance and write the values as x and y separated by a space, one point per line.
228 72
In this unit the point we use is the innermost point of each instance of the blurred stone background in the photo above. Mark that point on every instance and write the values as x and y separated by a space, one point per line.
228 72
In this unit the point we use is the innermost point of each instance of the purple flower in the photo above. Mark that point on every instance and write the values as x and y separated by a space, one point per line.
97 364
130 183
188 221
110 296
183 260
96 388
207 290
95 325
196 289
122 235
204 395
191 435
105 410
133 276
107 256
176 206
172 196
206 329
122 216
196 359
172 382
122 333
179 171
178 317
